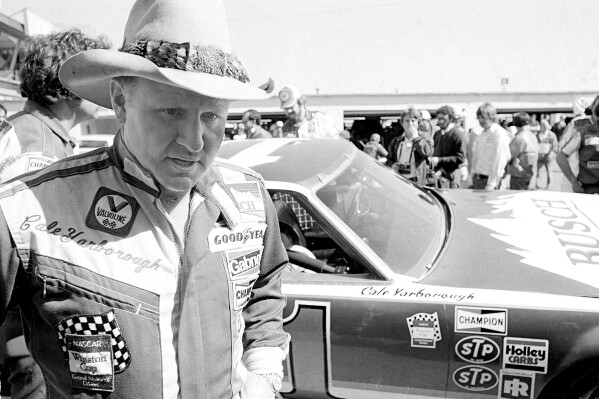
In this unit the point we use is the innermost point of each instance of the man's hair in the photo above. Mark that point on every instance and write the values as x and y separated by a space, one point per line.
522 119
251 115
447 110
42 59
487 111
411 113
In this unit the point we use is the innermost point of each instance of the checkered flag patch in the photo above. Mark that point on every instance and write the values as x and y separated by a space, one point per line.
433 317
95 325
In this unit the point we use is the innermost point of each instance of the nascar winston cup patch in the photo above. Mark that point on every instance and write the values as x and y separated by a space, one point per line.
95 350
112 212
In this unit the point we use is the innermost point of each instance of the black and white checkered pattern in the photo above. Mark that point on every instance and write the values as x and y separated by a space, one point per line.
427 317
95 325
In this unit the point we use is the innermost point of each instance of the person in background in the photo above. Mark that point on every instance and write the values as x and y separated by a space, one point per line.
412 150
449 150
524 150
491 150
3 113
276 129
584 141
548 147
375 149
581 107
251 122
559 126
302 122
120 258
31 139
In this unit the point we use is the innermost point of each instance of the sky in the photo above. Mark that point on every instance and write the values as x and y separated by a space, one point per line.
389 46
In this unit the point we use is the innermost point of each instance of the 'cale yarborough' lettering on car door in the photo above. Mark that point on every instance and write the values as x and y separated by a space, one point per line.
71 233
422 293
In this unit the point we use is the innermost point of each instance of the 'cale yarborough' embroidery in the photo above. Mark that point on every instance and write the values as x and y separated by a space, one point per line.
72 233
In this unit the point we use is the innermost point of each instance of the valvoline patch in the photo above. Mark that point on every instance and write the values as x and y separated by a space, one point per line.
112 212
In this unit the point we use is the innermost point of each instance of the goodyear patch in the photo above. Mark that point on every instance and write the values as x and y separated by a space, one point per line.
475 378
112 212
516 385
244 262
90 362
249 199
242 291
481 320
424 330
526 354
241 237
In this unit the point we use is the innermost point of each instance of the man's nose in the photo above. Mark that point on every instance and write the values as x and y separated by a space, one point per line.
191 134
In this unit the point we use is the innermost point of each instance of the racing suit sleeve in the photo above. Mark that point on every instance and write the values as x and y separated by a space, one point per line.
265 343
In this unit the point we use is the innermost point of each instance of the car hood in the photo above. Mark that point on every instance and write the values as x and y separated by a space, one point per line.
535 241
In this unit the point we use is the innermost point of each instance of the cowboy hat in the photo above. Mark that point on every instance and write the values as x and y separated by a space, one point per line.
183 43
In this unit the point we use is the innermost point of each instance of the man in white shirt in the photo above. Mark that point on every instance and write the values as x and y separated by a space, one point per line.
491 150
302 122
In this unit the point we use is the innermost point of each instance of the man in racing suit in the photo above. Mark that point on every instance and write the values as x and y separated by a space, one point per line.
148 269
32 139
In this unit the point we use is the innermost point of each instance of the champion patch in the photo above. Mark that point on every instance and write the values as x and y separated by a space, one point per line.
112 212
242 291
241 263
424 330
242 236
249 198
35 162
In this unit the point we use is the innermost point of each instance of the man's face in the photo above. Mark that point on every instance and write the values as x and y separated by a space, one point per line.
442 120
2 115
174 133
485 122
249 125
295 113
410 126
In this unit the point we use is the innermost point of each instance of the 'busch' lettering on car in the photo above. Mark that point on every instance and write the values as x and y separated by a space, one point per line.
477 349
249 198
240 263
526 354
242 291
480 320
516 385
112 212
244 235
475 378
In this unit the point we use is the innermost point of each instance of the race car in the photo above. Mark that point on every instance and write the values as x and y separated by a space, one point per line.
398 291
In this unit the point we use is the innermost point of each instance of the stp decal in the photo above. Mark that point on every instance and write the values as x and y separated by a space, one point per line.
112 212
480 320
424 330
477 349
242 236
249 198
526 354
475 378
516 385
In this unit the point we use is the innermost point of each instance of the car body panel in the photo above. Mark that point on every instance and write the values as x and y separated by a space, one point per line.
505 305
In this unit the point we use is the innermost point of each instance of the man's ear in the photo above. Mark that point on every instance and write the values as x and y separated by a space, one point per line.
117 97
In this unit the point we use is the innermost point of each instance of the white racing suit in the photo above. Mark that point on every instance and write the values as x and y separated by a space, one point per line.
117 304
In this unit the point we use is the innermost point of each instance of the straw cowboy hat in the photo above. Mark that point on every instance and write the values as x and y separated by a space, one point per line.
183 43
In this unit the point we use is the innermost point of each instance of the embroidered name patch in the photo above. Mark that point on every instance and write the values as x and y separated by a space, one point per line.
244 235
241 263
242 292
112 212
249 198
90 362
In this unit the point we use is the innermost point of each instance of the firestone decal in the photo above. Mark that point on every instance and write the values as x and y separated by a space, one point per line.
424 330
516 385
475 378
481 320
477 349
526 354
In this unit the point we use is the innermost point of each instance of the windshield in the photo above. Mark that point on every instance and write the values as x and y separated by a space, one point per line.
403 224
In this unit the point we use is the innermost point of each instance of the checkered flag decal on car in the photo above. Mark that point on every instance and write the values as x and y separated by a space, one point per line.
95 325
427 317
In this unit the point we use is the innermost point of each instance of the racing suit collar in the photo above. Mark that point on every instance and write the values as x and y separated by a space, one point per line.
46 116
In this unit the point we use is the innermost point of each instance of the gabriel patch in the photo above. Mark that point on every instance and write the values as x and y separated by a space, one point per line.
112 212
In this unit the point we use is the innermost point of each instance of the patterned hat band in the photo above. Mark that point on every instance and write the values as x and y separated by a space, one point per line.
184 57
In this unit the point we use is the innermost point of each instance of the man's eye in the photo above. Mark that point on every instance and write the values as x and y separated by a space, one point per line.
211 116
171 111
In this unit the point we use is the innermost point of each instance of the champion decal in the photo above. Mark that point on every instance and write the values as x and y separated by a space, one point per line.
242 291
480 320
35 162
112 212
